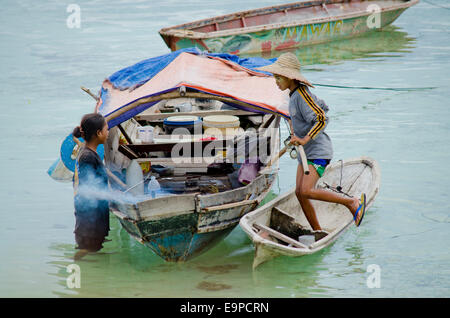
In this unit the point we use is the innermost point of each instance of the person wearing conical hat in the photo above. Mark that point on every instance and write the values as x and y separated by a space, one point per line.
308 122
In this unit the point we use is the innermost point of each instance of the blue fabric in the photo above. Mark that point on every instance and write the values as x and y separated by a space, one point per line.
145 70
139 73
321 162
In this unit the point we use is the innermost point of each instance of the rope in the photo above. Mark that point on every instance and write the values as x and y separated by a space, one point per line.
436 5
398 89
338 189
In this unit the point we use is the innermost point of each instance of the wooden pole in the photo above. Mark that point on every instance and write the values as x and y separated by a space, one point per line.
302 154
89 92
116 179
278 156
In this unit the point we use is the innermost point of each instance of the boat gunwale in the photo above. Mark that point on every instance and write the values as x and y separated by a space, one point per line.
141 205
177 30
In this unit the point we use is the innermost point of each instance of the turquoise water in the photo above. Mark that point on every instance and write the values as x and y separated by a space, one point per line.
406 232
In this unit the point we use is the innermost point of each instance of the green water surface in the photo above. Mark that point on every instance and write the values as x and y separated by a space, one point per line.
406 232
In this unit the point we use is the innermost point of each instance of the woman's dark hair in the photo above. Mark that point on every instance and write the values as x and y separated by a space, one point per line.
90 124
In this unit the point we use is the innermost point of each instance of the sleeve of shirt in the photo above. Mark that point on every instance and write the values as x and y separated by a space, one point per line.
312 113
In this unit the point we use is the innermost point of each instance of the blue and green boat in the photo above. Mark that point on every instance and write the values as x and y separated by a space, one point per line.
287 26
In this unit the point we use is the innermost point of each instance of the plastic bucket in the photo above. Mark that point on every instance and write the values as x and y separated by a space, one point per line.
192 123
224 125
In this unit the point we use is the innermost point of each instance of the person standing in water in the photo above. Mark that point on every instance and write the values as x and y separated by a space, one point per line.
90 180
308 123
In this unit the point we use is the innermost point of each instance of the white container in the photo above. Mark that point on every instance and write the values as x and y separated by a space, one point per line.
134 178
153 186
306 239
184 107
145 134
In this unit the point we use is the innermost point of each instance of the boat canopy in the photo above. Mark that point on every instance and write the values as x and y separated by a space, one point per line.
134 89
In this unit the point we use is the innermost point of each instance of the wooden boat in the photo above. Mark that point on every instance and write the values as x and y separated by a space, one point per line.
200 203
387 43
198 208
285 26
275 228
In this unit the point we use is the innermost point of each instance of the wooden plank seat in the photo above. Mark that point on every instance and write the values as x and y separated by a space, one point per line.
278 235
155 117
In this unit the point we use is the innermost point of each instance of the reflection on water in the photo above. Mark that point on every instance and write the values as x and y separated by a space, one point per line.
222 272
406 232
383 43
300 275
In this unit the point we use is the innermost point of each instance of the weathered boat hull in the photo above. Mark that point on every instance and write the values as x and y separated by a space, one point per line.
283 35
359 175
181 227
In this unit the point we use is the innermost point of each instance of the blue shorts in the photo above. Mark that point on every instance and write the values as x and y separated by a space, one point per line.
319 165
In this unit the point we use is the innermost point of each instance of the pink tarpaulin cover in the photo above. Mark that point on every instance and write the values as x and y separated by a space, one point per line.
208 74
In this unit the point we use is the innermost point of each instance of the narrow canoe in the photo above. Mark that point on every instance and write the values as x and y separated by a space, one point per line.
275 227
285 26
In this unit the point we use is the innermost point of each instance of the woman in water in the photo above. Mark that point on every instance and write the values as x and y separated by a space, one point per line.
90 181
308 122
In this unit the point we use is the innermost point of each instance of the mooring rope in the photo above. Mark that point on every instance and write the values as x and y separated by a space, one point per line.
399 89
436 5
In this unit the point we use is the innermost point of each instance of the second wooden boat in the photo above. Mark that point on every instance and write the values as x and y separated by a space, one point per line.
285 26
280 227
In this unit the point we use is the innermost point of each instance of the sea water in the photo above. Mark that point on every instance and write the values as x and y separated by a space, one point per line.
404 237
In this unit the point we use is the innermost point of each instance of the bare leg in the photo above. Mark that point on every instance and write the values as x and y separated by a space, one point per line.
80 254
306 205
305 191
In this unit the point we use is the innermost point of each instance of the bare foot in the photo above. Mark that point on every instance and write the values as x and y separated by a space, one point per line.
354 206
80 254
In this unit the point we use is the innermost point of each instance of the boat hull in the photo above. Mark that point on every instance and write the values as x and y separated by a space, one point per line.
175 244
179 234
282 36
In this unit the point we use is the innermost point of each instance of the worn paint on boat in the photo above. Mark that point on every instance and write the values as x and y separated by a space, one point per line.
179 227
285 216
286 26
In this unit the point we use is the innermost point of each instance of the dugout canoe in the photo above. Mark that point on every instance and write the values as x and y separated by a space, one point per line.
285 26
275 227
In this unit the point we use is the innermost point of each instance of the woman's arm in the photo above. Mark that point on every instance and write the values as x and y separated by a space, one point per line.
312 113
299 141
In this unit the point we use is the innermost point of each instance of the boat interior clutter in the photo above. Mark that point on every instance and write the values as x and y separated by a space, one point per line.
189 145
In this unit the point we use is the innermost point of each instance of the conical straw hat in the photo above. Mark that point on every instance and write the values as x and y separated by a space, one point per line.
286 65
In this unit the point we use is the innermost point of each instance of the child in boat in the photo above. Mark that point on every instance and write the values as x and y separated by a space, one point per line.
90 180
308 123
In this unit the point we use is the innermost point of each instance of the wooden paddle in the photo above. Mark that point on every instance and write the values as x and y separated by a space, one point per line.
300 152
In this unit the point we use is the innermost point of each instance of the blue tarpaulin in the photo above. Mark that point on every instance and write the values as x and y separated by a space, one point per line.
143 71
126 93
